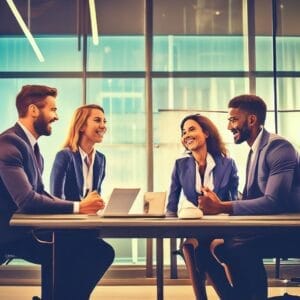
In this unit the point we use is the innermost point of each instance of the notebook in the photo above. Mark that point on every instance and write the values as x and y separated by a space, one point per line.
122 199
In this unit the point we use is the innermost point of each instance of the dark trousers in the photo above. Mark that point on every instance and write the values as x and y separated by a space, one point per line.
244 257
207 264
81 261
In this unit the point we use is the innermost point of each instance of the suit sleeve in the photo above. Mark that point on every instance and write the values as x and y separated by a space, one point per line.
58 174
174 193
20 181
233 181
276 177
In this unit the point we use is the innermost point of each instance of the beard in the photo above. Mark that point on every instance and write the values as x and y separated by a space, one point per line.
41 126
243 134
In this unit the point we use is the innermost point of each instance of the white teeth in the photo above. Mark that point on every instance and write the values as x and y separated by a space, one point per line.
100 132
189 141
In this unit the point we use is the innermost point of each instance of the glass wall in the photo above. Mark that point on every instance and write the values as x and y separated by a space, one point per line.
203 53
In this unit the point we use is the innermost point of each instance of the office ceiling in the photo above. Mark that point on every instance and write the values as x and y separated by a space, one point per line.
64 17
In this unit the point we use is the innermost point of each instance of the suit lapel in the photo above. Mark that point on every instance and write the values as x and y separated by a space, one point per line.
78 171
190 179
96 172
218 173
256 157
20 132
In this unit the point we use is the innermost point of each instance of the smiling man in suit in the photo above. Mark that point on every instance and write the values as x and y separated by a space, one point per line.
272 187
83 260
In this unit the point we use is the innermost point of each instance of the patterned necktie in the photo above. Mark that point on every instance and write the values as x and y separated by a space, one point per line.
247 173
38 156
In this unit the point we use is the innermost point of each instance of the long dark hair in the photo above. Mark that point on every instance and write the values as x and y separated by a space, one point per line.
215 144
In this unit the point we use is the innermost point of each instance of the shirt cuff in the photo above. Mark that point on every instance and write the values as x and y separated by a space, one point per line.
76 207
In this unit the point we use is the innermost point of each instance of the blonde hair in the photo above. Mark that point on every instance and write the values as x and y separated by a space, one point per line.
79 119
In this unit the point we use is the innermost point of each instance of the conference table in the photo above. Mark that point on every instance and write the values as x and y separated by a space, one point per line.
158 228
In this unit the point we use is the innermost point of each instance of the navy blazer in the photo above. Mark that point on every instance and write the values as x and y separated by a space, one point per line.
66 179
184 179
274 181
21 186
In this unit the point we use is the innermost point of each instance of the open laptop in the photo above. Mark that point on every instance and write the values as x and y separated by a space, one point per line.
122 199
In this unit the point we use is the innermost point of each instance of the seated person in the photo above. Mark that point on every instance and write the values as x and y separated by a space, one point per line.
83 260
272 187
206 165
79 168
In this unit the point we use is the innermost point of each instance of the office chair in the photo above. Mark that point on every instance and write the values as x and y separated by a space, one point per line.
5 259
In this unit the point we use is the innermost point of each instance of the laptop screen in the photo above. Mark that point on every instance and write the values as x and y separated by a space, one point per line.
121 200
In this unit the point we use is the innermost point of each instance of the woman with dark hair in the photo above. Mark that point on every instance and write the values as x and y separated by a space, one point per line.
207 165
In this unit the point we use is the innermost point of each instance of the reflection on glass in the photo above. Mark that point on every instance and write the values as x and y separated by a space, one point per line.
117 53
60 53
199 53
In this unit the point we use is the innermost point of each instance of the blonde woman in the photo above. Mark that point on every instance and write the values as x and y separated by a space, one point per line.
79 168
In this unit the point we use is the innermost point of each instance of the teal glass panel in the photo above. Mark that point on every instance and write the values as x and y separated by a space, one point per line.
264 53
206 94
288 126
60 54
199 53
288 94
288 49
289 109
117 53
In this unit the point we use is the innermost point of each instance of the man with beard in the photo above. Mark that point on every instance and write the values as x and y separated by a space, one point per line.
83 258
272 187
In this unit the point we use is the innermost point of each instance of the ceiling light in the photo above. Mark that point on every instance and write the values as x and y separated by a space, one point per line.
25 30
94 24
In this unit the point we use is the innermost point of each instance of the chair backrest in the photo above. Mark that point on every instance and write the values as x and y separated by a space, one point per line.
5 259
155 202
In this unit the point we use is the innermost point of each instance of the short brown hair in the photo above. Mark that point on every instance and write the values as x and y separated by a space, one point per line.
33 94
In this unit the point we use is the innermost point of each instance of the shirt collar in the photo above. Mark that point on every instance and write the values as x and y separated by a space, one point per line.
29 135
256 143
83 154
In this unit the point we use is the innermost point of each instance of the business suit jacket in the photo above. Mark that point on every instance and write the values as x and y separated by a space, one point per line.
273 183
21 186
66 179
183 179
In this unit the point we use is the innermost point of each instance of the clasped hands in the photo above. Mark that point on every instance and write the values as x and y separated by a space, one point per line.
91 203
211 204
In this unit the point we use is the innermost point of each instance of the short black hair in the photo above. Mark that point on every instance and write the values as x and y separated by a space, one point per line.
251 104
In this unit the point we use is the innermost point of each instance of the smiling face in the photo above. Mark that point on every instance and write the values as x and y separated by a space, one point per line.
46 115
192 136
239 124
94 129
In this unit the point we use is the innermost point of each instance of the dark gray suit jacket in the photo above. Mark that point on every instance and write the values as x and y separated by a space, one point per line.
274 180
21 186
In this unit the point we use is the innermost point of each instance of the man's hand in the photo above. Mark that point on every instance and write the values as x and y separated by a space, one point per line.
91 203
211 204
